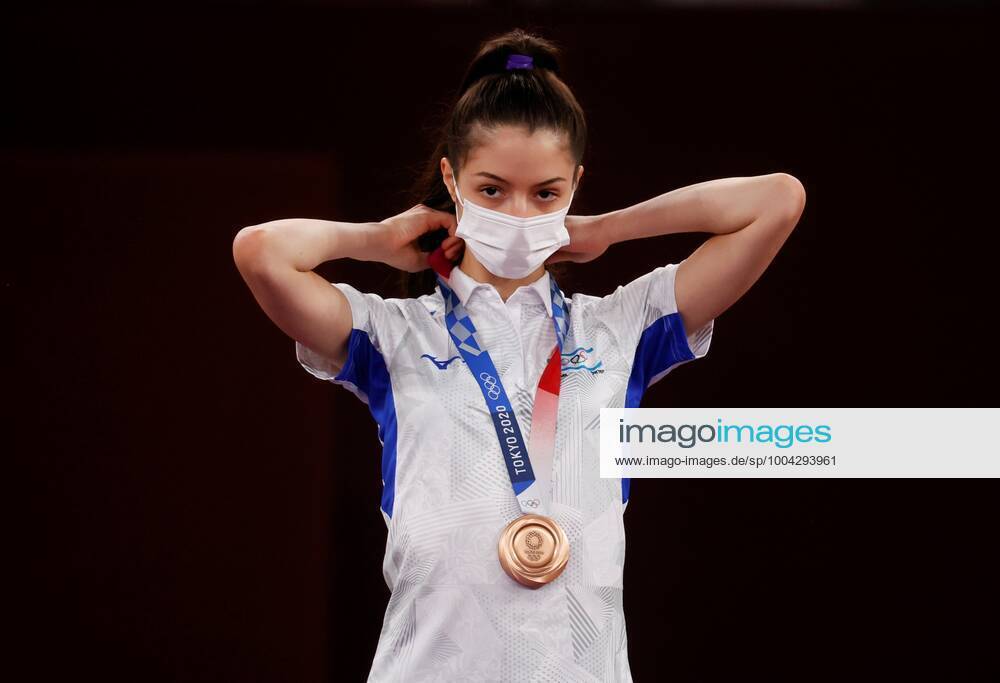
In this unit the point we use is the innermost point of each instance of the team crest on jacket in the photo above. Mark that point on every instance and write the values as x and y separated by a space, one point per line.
582 358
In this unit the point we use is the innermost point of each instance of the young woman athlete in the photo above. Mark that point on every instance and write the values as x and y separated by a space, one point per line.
505 548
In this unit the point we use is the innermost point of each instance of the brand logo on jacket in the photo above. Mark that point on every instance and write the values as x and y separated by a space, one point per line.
440 364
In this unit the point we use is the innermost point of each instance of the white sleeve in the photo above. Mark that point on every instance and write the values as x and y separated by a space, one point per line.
644 314
378 326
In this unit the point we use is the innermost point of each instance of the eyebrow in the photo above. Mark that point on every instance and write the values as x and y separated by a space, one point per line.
496 177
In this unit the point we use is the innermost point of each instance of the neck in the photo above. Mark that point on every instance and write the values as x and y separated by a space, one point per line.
504 286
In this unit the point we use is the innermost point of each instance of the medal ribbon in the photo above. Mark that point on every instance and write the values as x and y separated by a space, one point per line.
531 486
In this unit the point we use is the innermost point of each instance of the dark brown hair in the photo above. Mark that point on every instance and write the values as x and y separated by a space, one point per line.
491 96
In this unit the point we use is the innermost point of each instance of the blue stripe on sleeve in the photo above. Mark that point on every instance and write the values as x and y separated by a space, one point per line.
661 346
365 368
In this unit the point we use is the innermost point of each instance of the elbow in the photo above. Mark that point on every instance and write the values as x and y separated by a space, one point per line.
789 198
250 249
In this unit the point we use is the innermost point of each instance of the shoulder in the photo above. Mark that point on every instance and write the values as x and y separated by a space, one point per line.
654 288
374 306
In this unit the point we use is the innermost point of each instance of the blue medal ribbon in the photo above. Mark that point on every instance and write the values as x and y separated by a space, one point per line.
477 358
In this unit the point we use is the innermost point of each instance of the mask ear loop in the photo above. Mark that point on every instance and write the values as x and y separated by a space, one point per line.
430 243
461 202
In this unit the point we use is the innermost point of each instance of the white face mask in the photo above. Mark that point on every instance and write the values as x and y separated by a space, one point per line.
509 246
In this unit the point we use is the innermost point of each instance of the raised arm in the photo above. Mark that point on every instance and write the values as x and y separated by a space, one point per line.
750 216
277 258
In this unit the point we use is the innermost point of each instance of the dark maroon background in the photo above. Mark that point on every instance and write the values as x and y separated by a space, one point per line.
190 505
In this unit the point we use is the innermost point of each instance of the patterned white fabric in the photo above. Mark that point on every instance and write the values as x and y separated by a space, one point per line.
453 613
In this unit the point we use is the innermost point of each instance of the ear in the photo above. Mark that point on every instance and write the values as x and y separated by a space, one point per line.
579 175
448 176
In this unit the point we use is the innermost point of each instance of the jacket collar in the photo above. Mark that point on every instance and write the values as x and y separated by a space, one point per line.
464 285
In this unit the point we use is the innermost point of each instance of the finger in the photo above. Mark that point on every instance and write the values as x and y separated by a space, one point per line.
454 242
444 222
445 219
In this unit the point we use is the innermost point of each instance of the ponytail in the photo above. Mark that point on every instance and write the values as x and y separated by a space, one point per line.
491 96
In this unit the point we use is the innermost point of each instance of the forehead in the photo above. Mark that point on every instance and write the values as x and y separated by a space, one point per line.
511 153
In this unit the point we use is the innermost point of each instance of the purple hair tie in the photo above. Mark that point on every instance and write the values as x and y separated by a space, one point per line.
520 62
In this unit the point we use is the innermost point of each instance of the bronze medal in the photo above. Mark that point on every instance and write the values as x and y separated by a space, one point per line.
533 550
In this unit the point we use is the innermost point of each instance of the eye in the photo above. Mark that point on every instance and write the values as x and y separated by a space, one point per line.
493 192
